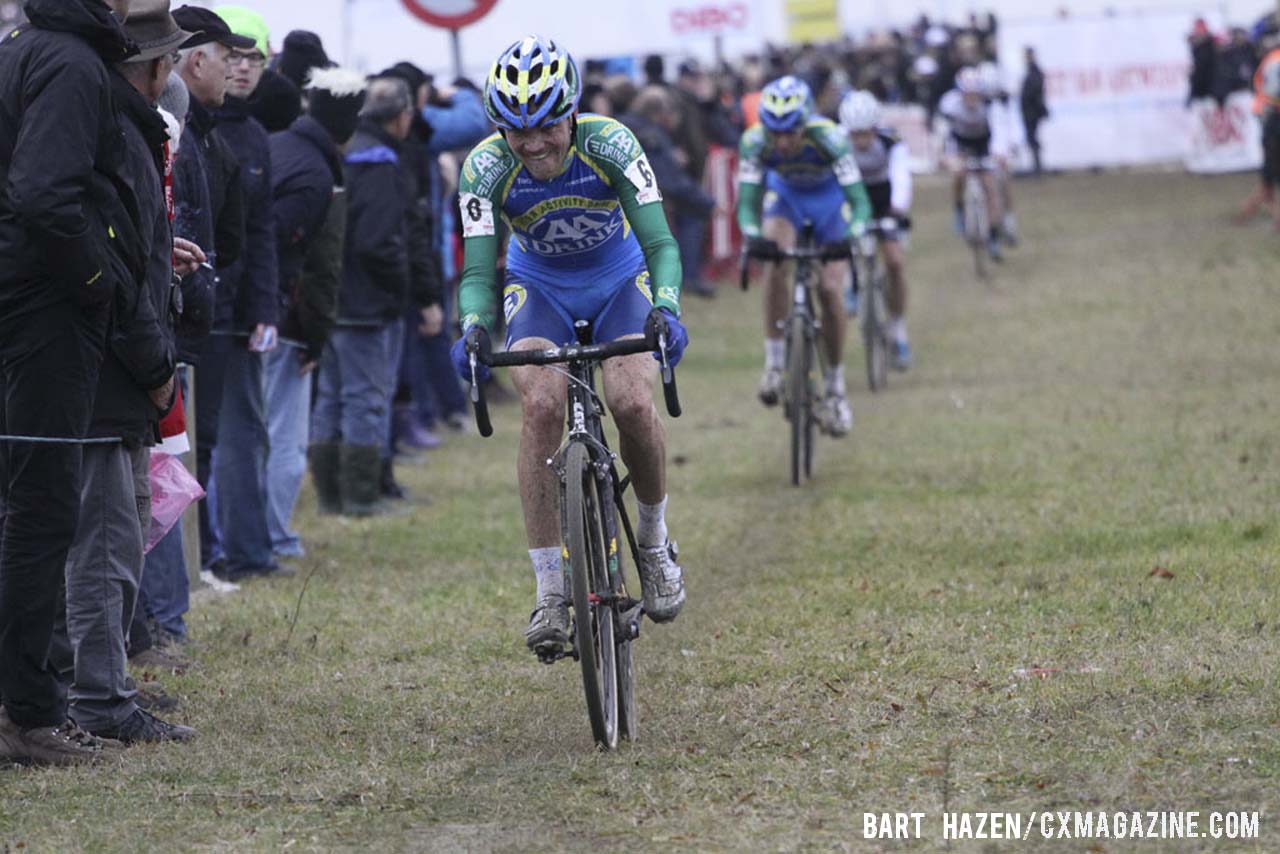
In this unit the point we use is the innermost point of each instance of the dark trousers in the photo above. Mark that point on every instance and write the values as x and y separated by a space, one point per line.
1033 141
211 375
49 361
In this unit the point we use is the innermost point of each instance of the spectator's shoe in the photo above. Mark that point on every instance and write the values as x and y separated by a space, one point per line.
324 458
142 726
994 250
152 697
548 625
387 486
159 662
850 301
771 386
662 582
836 416
58 745
409 433
901 355
270 570
459 422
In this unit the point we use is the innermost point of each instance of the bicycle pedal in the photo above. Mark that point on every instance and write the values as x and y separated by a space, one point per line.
550 653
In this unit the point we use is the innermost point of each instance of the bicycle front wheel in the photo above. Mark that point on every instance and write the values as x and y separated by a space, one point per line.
593 612
799 404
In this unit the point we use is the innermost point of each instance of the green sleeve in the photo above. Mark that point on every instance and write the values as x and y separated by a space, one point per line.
856 195
617 152
485 175
750 180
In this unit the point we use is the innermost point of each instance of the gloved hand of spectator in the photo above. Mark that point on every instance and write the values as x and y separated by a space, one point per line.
677 335
462 361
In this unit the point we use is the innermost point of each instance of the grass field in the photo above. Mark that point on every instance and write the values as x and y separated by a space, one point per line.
1108 405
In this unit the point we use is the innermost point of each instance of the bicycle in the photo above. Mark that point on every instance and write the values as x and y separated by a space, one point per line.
801 331
606 618
875 314
977 216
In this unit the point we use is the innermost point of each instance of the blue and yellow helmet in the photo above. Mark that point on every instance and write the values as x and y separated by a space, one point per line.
532 84
785 104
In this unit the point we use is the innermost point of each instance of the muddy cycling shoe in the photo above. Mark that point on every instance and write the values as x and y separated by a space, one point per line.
548 624
771 386
662 581
836 415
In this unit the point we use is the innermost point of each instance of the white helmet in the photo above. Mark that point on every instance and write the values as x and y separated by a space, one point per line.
992 82
860 111
969 81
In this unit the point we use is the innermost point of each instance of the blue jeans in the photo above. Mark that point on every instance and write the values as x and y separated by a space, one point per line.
165 585
691 231
240 465
288 414
353 389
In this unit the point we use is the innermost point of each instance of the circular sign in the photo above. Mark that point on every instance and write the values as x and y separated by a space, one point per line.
450 14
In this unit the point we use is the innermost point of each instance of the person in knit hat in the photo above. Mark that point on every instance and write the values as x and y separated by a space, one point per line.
309 206
302 52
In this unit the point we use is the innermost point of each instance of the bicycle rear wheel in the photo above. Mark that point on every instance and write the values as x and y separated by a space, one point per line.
799 405
873 335
594 623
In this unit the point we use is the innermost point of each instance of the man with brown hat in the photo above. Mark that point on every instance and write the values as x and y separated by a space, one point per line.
104 569
58 271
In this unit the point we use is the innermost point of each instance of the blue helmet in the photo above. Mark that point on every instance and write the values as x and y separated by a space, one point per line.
785 104
532 84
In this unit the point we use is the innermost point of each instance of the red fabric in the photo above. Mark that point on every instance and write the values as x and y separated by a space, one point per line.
175 422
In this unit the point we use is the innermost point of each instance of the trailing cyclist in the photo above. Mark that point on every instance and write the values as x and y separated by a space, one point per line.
801 165
589 241
1007 127
886 174
973 135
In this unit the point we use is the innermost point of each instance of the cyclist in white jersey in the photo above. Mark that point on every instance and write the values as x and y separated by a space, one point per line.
886 174
973 135
1006 126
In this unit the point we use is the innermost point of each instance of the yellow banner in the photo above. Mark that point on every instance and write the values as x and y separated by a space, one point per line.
812 20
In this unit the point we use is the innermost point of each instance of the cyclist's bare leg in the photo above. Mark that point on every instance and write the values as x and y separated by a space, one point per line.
896 294
835 275
543 392
777 295
642 440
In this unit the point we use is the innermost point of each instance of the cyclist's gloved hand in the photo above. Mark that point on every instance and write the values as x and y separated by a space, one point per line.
462 360
761 247
677 335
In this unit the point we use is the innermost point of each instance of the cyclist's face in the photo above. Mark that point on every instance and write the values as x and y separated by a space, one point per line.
541 150
862 139
787 142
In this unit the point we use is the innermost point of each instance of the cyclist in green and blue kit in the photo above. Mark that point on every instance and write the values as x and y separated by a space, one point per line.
589 241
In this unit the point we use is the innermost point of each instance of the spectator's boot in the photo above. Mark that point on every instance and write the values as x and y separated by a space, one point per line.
325 459
388 487
360 475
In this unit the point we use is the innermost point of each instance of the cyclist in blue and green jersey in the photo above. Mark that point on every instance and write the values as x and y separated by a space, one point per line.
589 241
799 167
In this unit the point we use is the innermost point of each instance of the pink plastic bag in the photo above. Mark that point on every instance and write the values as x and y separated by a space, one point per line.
173 490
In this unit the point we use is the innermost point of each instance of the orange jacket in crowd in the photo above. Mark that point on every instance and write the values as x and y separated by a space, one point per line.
1261 100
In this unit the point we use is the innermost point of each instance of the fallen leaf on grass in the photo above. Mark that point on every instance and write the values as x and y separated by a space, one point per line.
1159 572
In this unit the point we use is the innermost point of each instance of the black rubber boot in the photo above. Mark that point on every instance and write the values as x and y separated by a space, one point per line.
361 472
325 459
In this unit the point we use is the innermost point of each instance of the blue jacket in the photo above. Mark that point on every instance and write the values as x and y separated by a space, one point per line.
375 269
306 174
248 291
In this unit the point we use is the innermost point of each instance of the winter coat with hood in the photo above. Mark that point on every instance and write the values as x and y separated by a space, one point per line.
307 185
193 220
248 289
375 270
139 354
60 144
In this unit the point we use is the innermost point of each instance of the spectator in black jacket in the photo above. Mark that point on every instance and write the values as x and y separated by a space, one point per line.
58 273
354 386
104 569
1034 108
309 205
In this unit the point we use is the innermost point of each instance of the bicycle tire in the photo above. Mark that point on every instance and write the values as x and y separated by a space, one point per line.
976 226
594 624
628 714
810 422
873 335
798 404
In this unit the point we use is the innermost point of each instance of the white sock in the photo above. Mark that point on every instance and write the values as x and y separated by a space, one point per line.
546 569
652 528
775 354
898 330
835 380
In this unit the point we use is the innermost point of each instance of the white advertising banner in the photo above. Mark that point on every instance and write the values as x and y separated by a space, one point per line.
1226 138
1116 87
